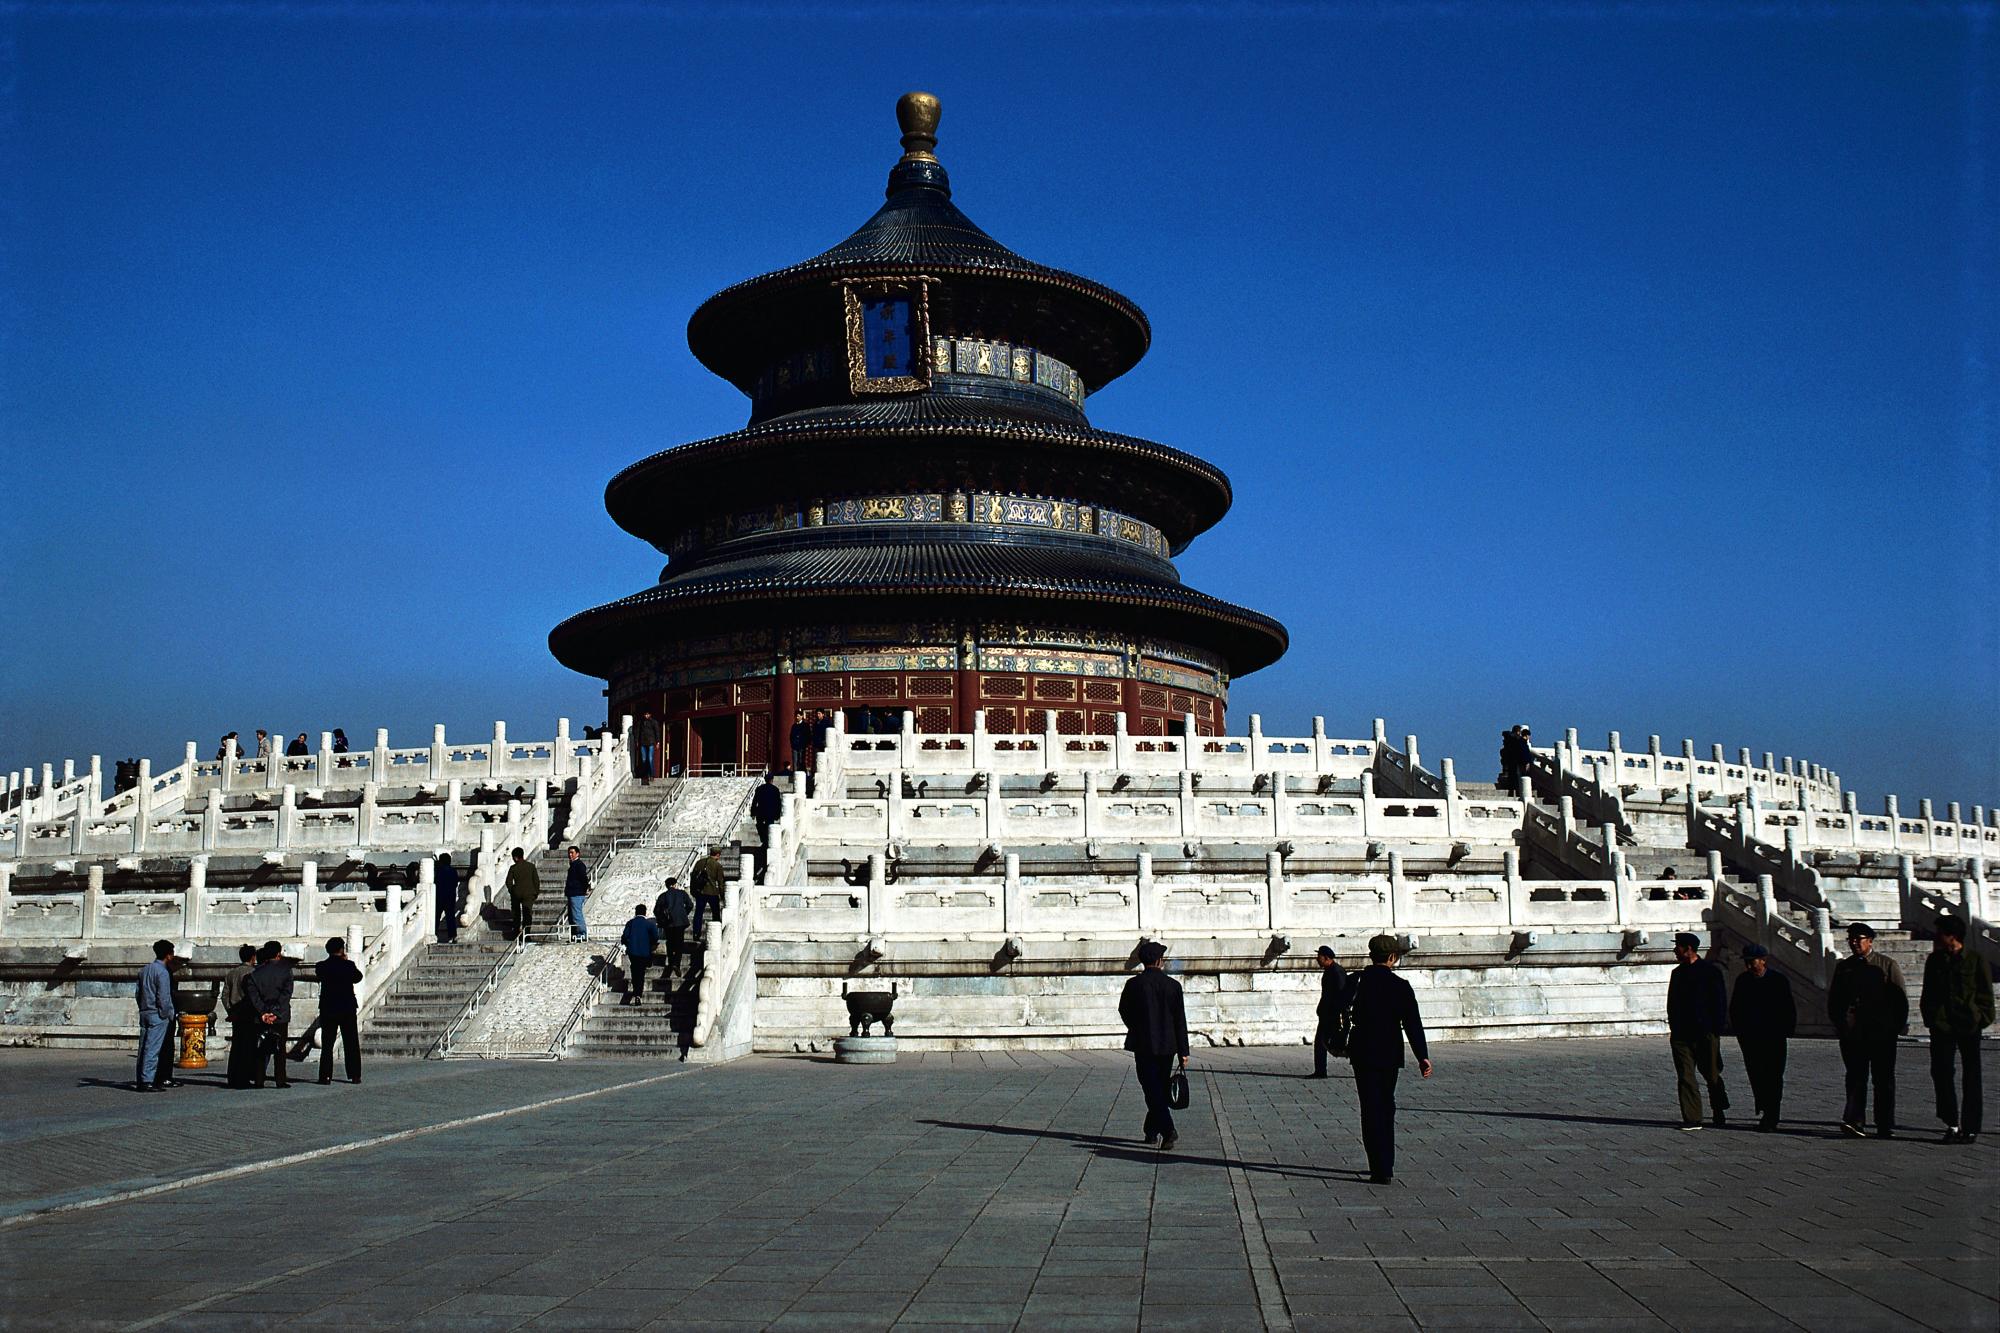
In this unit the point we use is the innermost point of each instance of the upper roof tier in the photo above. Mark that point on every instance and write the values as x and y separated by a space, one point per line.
982 288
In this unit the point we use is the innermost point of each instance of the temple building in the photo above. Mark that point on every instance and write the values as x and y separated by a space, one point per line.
919 518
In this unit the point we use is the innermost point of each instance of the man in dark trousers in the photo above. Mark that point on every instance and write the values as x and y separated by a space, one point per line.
338 1007
269 994
801 741
1383 1012
765 807
576 890
645 747
445 886
1155 1032
706 879
1869 1009
672 911
1957 1005
1331 1036
641 937
1697 1012
242 1023
1762 1015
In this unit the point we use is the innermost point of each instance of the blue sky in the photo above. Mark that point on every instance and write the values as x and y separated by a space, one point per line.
1599 367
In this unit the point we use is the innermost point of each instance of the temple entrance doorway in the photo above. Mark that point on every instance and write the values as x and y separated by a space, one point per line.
715 741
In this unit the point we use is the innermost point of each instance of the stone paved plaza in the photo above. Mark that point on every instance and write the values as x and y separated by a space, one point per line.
1540 1185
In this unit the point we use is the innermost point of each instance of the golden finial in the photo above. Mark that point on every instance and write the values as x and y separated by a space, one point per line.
918 114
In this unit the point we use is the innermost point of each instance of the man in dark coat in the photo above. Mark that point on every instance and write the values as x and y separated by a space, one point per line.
1697 1013
1331 1035
268 992
338 1008
1383 1011
802 737
640 939
1957 1005
243 1034
707 879
645 747
766 806
1155 1018
1869 1008
1763 1017
576 891
445 886
672 911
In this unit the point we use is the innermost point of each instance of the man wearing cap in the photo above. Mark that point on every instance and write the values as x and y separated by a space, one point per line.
1957 1005
1384 1012
1331 1035
1762 1015
1155 1032
1869 1006
1697 1012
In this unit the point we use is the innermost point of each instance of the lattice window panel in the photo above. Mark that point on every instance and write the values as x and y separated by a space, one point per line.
875 687
935 719
1055 689
820 687
753 692
1183 703
1033 719
1204 708
712 696
756 738
1103 724
1150 726
1103 691
1069 722
1150 697
1002 687
1000 720
931 687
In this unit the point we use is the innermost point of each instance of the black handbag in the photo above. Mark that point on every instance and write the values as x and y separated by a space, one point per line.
1177 1090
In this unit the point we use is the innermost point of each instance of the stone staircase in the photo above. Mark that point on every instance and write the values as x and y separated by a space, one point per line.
626 815
428 993
657 1028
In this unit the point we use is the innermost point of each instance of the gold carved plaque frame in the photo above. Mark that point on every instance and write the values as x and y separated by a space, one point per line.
917 292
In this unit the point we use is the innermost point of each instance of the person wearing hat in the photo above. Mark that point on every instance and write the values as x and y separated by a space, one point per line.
1957 1005
1331 1035
1869 1008
1763 1017
1155 1032
1383 1012
1697 1012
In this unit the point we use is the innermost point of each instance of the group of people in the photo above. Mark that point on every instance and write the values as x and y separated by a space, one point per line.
1869 1006
266 744
1368 1018
811 727
1517 747
256 1002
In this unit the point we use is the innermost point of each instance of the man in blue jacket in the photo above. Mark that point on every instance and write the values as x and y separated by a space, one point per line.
1697 1013
156 1021
641 937
1383 1012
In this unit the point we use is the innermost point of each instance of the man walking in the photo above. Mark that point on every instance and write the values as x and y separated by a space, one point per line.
1762 1015
1957 1005
155 994
269 994
706 881
1697 1012
576 888
801 740
1155 1017
338 976
765 807
1383 1013
645 746
524 885
641 937
1869 1007
242 1023
444 884
1331 1036
672 911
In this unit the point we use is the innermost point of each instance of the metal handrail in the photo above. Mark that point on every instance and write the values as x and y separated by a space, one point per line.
487 985
586 1001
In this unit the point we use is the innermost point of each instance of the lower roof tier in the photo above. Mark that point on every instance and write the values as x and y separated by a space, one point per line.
945 579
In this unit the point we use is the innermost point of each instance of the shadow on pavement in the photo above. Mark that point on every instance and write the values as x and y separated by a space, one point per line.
1106 1146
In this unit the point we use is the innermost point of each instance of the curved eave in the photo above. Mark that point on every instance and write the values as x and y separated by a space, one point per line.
723 333
646 498
590 641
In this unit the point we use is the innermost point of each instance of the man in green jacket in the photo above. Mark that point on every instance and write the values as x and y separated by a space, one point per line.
1957 1005
524 885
